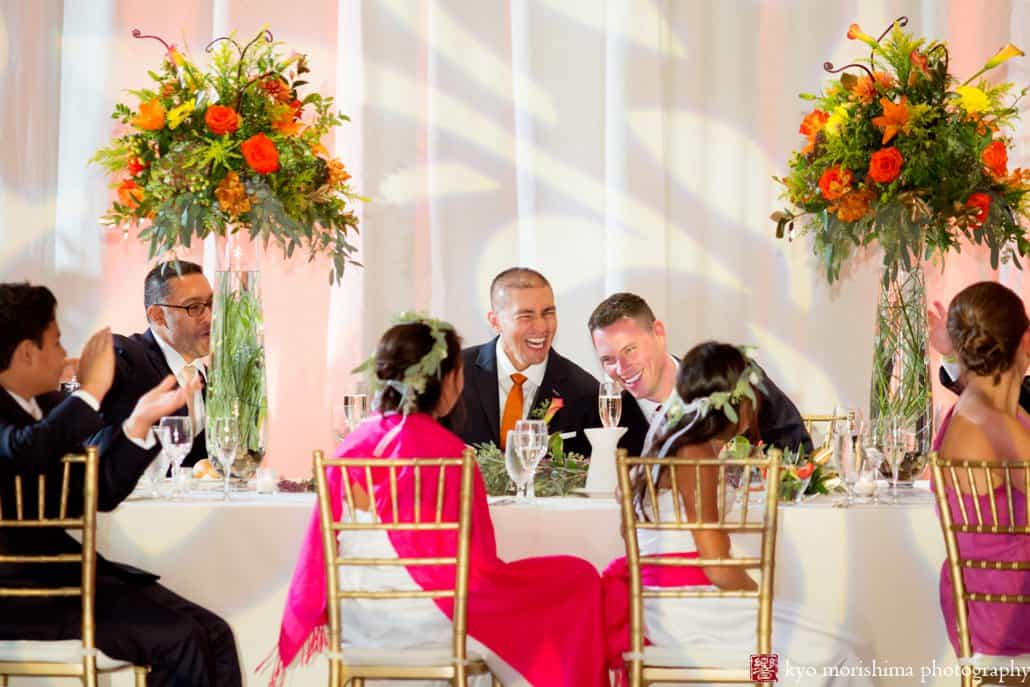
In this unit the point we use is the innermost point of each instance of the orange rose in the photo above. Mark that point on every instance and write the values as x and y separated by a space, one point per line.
996 157
135 166
982 202
885 165
835 182
130 194
151 116
260 154
221 120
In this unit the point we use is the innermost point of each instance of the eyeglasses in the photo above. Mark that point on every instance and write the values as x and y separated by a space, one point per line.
192 310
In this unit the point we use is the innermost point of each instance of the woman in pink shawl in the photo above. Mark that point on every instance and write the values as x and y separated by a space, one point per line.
988 328
536 621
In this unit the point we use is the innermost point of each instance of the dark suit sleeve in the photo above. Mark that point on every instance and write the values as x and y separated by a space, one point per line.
39 446
118 402
121 466
779 421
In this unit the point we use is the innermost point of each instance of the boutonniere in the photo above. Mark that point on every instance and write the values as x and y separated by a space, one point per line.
547 409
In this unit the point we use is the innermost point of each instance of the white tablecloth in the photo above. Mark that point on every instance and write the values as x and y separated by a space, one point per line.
872 570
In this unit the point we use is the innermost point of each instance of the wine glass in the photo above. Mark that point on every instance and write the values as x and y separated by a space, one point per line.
516 469
895 451
158 467
848 449
225 434
609 402
530 440
176 436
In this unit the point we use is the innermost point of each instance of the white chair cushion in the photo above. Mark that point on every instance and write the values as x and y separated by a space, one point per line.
360 656
64 651
732 658
985 661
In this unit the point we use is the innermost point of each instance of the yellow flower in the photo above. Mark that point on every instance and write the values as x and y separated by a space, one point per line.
972 99
177 114
1004 55
839 116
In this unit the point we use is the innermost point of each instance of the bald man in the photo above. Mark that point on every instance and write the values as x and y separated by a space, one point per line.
519 370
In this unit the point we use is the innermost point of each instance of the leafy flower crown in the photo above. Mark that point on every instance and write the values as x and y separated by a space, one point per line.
675 410
413 382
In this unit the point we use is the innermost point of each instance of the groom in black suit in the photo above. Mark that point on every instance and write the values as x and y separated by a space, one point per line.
518 372
137 620
630 342
178 308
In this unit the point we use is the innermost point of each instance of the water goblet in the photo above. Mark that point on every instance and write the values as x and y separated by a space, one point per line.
516 469
176 436
225 435
530 440
609 402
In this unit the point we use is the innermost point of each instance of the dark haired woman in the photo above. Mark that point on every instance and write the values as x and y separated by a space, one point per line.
723 630
988 327
535 621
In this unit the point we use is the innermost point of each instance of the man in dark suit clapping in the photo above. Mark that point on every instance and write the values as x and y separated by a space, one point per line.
137 620
178 308
630 342
518 370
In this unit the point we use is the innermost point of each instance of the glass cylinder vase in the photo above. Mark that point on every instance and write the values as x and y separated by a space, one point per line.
900 400
236 384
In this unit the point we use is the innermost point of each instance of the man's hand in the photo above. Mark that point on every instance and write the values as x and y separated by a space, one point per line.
96 364
937 326
164 399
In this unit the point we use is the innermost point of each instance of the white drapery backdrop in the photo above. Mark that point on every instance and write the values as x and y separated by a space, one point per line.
619 145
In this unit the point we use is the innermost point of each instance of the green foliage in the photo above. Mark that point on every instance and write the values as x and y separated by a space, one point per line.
237 383
168 176
925 209
557 474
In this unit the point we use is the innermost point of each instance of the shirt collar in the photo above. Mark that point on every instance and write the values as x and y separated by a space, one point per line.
534 373
29 405
176 363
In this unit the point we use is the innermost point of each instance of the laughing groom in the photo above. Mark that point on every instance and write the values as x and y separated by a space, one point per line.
518 371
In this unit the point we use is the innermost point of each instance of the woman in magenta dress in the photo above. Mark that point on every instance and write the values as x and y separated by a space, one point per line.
988 327
536 621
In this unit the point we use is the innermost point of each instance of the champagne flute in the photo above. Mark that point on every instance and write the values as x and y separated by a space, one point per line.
530 439
848 451
176 435
225 434
609 402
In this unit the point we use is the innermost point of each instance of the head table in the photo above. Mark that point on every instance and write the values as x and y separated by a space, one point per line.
870 569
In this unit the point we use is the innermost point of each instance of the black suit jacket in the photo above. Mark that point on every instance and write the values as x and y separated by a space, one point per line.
29 448
779 421
140 365
956 386
477 415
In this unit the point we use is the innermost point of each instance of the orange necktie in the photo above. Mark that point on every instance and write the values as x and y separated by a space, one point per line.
512 407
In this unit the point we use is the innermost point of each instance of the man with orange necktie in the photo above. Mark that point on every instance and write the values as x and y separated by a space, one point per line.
518 371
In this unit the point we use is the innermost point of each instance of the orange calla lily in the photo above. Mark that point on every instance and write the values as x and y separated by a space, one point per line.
855 33
895 119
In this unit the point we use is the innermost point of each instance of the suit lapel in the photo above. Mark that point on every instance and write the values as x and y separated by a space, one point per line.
555 375
157 360
487 385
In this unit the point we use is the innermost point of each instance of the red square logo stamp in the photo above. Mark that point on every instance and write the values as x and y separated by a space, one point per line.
764 667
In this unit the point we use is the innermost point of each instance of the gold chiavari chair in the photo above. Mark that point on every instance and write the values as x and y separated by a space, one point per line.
72 657
978 479
354 665
653 664
824 423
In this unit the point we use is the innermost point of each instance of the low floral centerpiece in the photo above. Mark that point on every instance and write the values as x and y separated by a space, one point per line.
901 156
234 150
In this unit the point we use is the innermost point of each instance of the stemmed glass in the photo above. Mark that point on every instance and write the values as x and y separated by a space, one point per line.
176 436
349 413
609 402
893 446
225 435
158 467
848 451
529 440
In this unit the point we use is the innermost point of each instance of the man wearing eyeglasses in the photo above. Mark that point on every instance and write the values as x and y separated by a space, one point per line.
177 298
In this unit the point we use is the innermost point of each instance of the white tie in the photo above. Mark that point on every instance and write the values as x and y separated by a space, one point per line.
194 401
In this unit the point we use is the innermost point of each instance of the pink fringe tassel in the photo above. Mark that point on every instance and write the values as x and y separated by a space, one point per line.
316 643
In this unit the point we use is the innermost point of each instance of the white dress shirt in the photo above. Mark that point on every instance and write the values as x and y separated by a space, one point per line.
534 377
30 406
177 365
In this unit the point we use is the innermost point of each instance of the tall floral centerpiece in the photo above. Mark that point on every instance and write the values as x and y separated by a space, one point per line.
898 154
234 150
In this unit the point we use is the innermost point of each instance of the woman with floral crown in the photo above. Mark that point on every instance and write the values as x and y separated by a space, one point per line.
714 402
417 366
990 331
